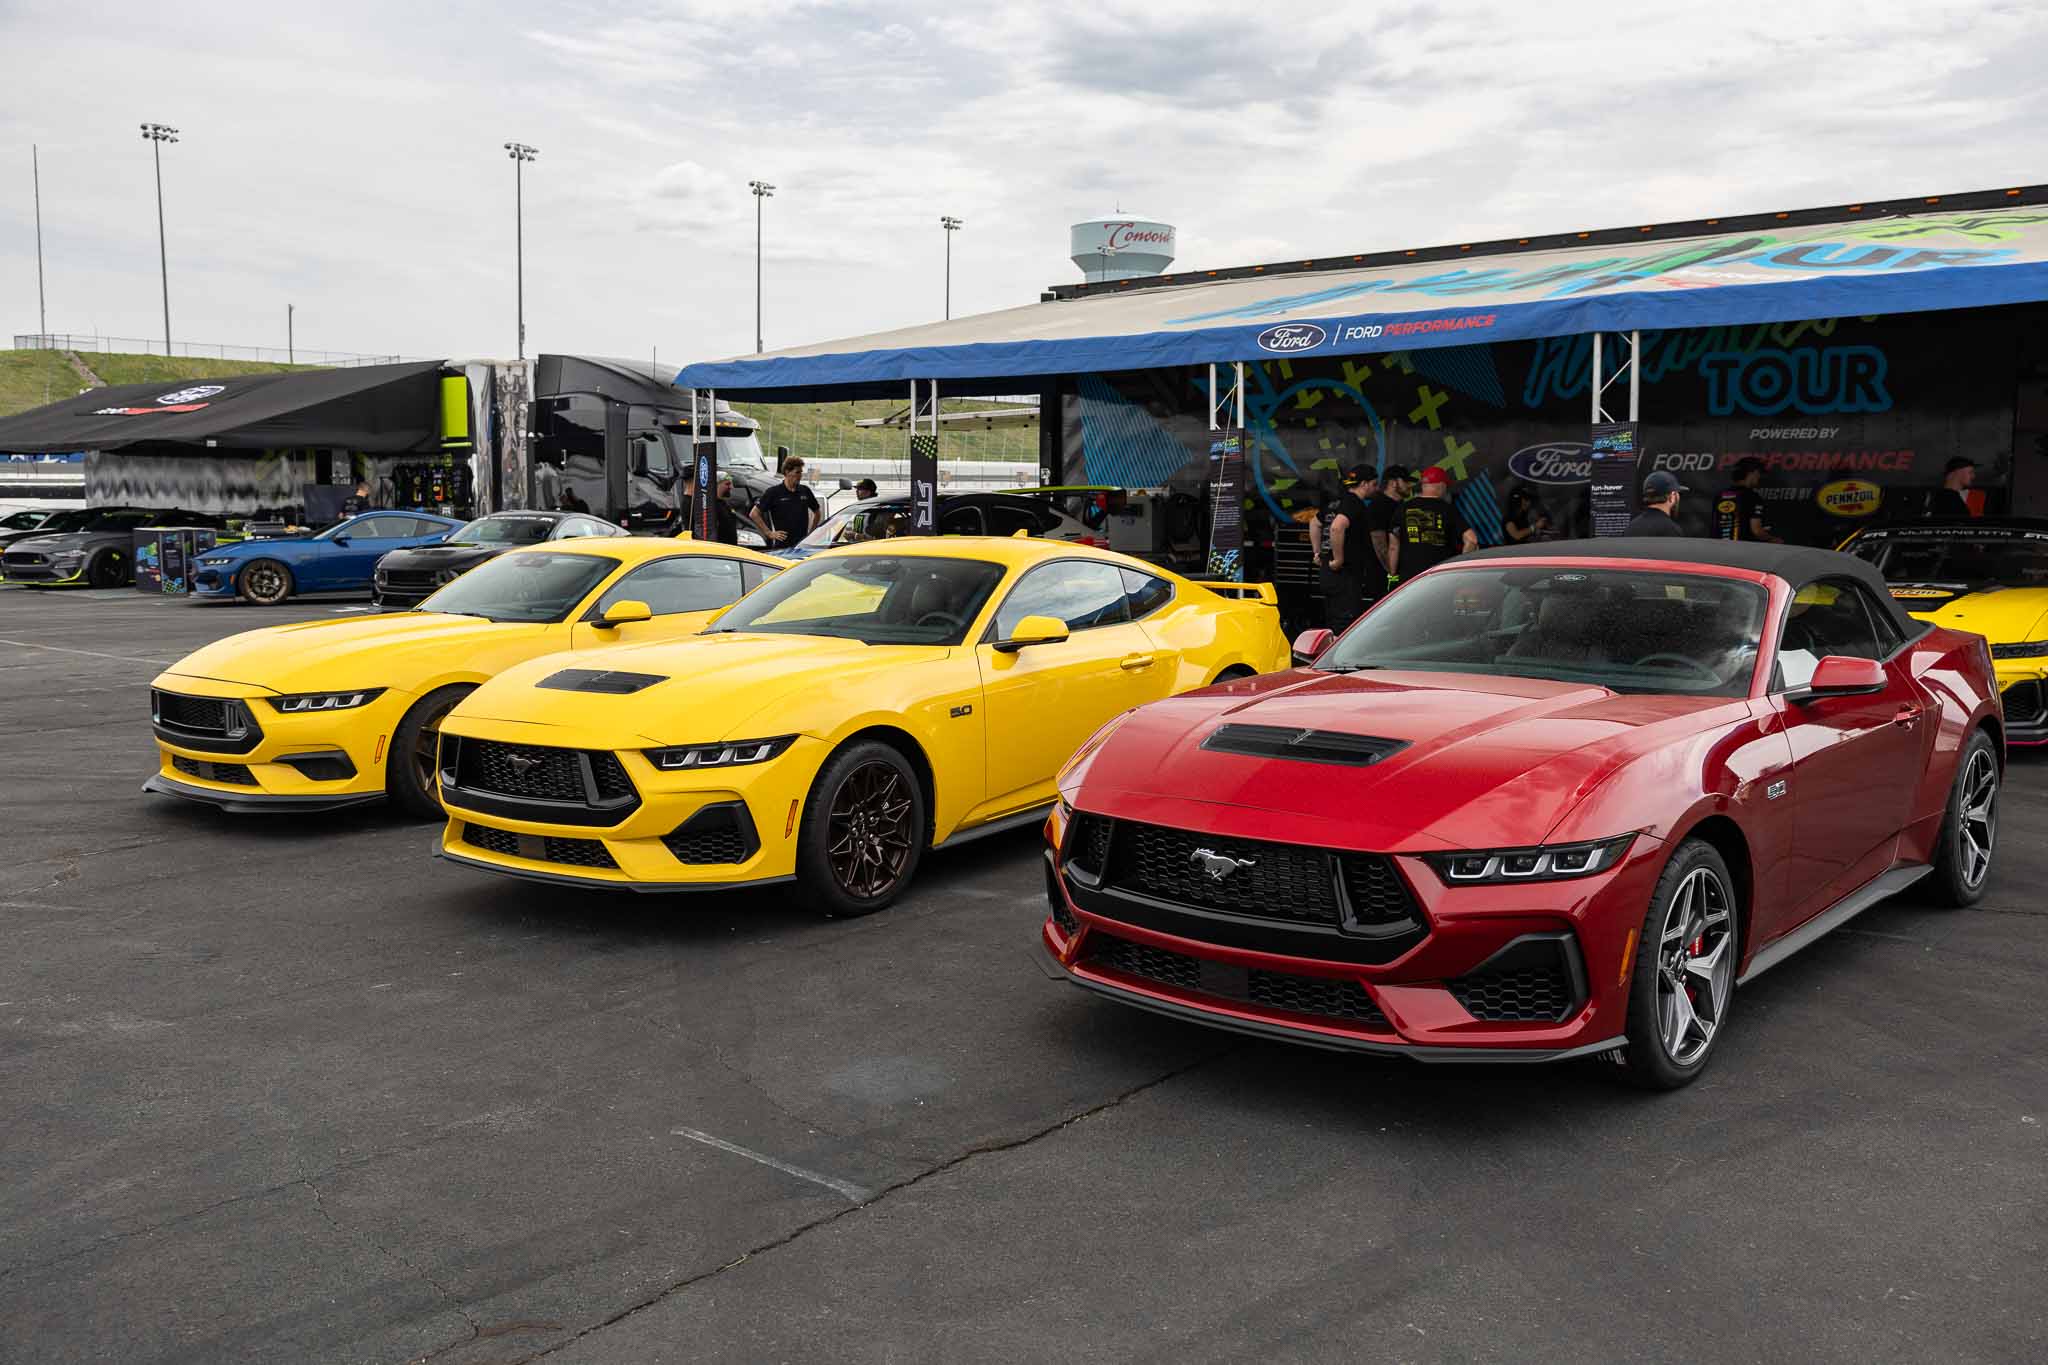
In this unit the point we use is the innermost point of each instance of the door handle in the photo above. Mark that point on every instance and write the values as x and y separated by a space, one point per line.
1133 662
1908 716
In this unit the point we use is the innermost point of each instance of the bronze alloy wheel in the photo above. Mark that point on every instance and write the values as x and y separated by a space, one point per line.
266 582
869 833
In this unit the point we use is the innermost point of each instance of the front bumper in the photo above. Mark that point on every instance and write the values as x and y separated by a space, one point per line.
2024 695
677 831
215 581
1536 972
41 572
297 762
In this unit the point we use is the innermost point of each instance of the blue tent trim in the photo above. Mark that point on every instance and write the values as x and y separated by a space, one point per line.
1365 333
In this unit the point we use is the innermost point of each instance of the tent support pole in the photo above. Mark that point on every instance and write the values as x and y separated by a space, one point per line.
1228 400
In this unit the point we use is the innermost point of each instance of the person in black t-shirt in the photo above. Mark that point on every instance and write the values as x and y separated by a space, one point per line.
1659 516
1383 528
1349 552
1739 512
1948 500
1432 529
787 512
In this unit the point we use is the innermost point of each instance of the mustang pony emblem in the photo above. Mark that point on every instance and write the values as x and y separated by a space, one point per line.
522 764
1217 865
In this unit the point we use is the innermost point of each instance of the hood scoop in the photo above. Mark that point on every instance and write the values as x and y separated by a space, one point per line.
1306 746
610 681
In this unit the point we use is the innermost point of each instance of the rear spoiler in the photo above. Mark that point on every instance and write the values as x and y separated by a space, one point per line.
1249 592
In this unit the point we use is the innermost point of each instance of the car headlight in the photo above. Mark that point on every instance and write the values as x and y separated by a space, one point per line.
217 560
1547 863
326 701
2025 649
729 754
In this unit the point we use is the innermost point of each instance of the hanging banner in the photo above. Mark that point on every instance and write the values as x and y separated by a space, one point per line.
924 483
1613 453
1226 505
704 506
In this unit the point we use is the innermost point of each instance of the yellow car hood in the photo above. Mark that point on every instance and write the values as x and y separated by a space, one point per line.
719 686
2000 615
391 650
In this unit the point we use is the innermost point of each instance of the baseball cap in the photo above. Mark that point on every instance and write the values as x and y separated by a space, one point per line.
1436 474
1662 483
1359 473
1395 471
1959 462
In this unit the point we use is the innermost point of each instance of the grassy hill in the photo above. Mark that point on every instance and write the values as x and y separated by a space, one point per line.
29 379
827 431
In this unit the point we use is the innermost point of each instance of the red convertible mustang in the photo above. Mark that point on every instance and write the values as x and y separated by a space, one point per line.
1541 802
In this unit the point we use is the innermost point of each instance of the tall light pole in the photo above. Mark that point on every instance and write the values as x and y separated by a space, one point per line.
762 190
291 352
36 164
158 134
520 154
951 225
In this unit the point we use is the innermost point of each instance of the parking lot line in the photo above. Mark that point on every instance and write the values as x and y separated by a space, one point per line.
842 1187
90 653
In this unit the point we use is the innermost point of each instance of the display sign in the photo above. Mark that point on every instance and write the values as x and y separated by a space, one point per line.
924 483
1613 477
1226 509
704 506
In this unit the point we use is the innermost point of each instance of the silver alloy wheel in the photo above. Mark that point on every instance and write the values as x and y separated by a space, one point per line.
265 581
1695 965
1977 825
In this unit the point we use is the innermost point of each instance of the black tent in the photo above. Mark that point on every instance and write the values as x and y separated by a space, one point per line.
372 409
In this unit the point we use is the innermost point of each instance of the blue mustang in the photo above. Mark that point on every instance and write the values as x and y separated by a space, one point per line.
339 559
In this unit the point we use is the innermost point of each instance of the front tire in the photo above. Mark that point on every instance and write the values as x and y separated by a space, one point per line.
1684 980
264 582
409 778
107 570
1969 831
864 831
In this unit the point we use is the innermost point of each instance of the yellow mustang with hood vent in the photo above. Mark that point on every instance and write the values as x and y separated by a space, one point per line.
333 713
867 704
1989 577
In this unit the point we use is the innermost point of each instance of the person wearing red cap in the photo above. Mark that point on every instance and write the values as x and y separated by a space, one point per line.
1432 529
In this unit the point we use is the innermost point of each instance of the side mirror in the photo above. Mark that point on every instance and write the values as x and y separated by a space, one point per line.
623 613
1311 643
1033 630
342 539
845 484
1839 675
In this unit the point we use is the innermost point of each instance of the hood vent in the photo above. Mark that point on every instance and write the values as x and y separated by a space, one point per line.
1307 746
606 680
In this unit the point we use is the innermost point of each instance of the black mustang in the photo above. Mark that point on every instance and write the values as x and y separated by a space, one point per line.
405 578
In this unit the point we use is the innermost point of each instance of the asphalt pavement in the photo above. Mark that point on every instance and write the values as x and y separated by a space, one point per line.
290 1089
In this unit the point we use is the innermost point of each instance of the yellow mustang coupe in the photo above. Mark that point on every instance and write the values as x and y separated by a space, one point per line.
866 704
1989 577
334 713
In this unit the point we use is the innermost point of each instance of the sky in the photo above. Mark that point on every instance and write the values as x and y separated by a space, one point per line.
347 158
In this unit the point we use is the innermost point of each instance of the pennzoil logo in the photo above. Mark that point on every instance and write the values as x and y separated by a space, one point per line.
1849 498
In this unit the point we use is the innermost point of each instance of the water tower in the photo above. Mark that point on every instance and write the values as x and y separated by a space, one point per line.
1120 248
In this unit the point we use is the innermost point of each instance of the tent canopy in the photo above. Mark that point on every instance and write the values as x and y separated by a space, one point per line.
374 409
1953 252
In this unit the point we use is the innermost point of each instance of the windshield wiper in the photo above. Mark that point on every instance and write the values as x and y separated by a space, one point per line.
1346 668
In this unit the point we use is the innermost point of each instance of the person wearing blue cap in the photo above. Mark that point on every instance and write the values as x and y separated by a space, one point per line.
1660 507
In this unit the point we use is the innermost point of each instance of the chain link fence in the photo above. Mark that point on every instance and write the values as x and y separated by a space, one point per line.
204 350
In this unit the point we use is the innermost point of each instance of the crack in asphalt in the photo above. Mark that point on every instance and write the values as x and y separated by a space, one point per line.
447 1296
826 1220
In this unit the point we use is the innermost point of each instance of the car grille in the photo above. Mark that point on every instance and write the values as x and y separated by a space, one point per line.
1088 843
1523 994
1314 996
192 713
706 845
23 560
540 773
2024 704
407 580
1271 881
212 723
539 848
235 773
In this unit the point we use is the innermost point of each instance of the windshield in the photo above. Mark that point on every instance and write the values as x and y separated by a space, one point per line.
73 520
741 452
1629 630
499 530
879 599
21 521
521 587
862 521
116 521
2017 559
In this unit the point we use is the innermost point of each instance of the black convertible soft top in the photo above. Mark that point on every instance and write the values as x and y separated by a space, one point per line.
1798 565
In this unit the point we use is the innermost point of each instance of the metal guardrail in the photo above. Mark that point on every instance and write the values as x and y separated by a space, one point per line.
201 350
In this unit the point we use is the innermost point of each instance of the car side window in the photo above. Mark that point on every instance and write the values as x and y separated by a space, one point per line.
962 521
680 583
382 528
1830 616
1145 593
1080 593
1008 521
753 576
575 528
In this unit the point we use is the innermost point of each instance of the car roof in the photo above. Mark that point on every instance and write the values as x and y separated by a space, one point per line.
639 549
1010 551
1797 565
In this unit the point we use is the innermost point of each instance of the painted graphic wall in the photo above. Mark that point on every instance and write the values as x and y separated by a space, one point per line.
1854 419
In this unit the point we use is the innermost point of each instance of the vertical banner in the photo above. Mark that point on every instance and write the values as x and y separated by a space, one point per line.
1226 510
1613 454
704 506
924 483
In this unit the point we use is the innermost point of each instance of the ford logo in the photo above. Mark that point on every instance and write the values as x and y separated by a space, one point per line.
1289 337
1555 462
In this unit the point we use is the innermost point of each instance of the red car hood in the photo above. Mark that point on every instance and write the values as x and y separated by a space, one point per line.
1488 762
